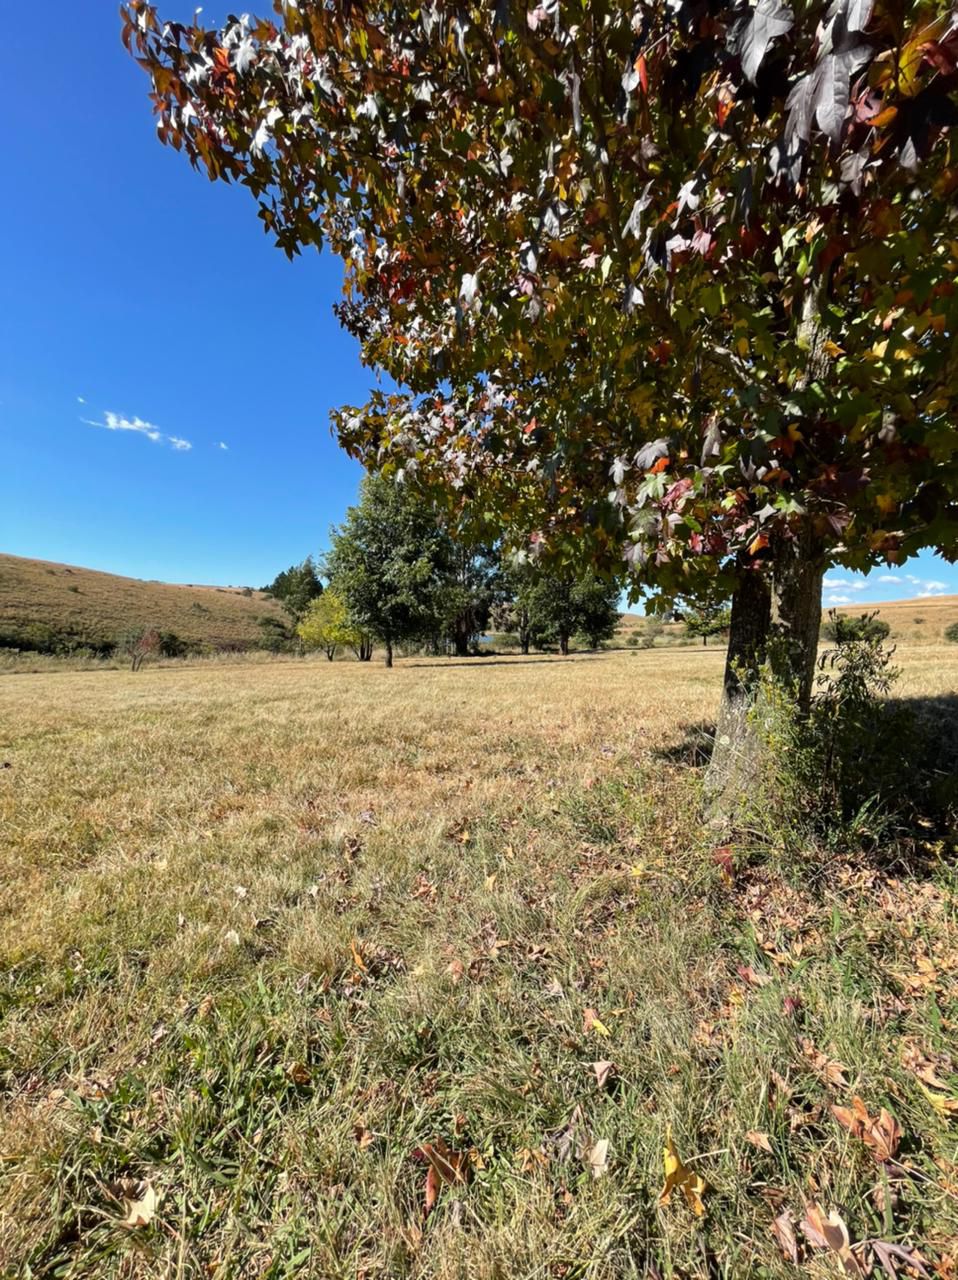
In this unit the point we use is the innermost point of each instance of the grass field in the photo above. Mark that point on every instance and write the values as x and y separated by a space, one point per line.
272 930
86 607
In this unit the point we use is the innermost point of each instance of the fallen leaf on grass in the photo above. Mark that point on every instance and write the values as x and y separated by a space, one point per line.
832 1234
298 1073
364 1137
886 1252
358 961
783 1229
831 1071
592 1022
918 1062
759 1140
881 1134
597 1158
446 1168
561 1141
602 1071
748 974
692 1185
946 1107
531 1158
139 1204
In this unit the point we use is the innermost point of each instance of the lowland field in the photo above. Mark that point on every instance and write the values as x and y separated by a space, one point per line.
276 932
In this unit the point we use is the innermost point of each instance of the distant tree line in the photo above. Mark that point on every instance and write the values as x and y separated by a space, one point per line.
398 577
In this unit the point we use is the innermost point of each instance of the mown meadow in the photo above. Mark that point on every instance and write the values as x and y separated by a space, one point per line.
323 970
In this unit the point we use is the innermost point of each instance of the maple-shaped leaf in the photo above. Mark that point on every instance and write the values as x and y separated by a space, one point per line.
770 20
692 1185
880 1134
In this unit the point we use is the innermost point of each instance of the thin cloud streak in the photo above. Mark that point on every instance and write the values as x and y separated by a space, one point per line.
138 426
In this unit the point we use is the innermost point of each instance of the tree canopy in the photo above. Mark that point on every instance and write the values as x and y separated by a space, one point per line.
662 279
296 587
387 564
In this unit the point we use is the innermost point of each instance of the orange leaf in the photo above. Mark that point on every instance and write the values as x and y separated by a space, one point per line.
662 465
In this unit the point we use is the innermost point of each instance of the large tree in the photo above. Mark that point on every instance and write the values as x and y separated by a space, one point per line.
673 282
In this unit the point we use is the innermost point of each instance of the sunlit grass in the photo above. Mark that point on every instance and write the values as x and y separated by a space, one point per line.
271 928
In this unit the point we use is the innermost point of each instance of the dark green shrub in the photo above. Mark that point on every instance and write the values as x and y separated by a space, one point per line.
842 629
951 633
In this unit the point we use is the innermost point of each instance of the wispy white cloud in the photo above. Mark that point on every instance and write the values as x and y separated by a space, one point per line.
890 577
139 426
224 446
843 584
838 600
80 400
935 586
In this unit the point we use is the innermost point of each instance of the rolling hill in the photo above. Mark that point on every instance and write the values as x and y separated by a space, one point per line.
56 606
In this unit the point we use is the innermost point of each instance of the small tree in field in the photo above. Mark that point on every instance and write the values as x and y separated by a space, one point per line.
141 645
707 619
597 602
386 564
668 283
326 625
951 633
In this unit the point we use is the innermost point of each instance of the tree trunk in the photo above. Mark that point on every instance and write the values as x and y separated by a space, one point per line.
524 644
461 644
330 653
775 622
564 646
389 653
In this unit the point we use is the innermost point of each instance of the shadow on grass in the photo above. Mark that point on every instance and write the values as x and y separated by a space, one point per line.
479 661
893 774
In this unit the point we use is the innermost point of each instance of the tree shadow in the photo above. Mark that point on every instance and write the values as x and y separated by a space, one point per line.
898 767
503 662
693 750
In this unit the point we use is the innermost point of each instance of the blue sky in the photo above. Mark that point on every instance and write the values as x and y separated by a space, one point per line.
165 374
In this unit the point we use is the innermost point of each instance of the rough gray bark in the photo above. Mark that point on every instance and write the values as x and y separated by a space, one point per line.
776 617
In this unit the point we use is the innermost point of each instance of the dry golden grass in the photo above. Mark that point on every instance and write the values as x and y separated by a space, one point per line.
270 928
99 608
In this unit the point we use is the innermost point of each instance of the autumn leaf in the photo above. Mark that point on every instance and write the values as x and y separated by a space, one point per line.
603 1070
298 1073
946 1107
692 1185
829 1069
881 1134
830 1233
140 1203
592 1022
446 1168
783 1229
597 1158
760 1140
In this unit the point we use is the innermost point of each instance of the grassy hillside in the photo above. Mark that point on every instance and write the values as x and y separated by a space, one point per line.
43 603
911 621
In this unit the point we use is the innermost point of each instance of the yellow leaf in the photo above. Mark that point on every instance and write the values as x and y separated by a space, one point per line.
946 1107
833 349
591 1022
692 1185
